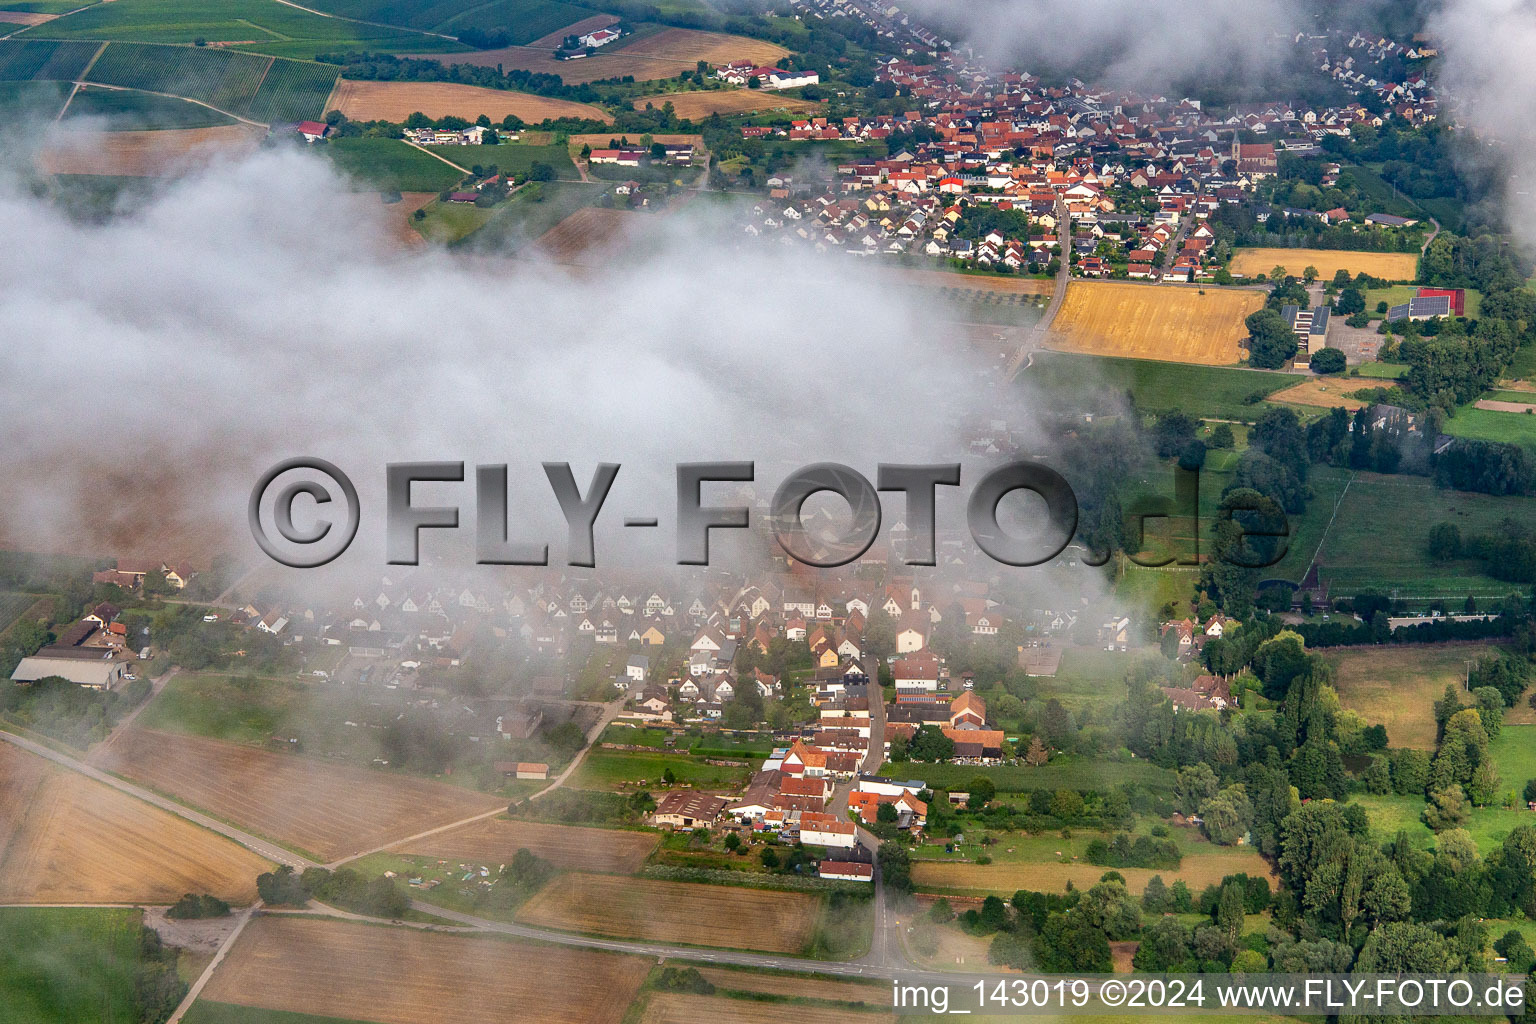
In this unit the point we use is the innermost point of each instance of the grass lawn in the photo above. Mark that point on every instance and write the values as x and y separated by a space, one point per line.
612 769
516 157
1150 588
1493 425
1089 676
205 1012
630 736
1393 814
1355 555
1061 773
448 223
1307 531
390 164
1208 391
1398 685
529 213
1514 754
242 709
67 966
1381 371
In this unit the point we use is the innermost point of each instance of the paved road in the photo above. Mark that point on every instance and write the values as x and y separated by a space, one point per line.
1042 329
271 851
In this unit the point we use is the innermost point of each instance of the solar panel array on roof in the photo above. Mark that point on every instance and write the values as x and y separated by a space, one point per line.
1320 321
1430 305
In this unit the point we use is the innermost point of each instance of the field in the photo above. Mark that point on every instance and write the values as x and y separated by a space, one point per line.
68 966
1080 773
1013 284
586 236
330 810
675 1008
387 164
128 110
678 912
261 88
612 769
1493 425
205 1012
13 606
528 20
1154 322
795 986
495 840
1158 386
396 101
1514 752
21 101
1397 686
698 105
660 54
67 839
405 976
265 26
1006 879
1389 266
143 154
40 61
1322 392
1355 557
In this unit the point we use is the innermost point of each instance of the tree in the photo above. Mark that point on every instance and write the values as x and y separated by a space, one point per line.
1444 542
1447 809
1221 437
1066 804
1194 786
1349 302
732 841
1037 755
1328 360
886 814
1227 816
982 790
931 745
1229 911
1270 339
1309 274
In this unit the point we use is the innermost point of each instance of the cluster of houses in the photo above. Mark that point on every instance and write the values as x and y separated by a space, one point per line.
678 154
474 135
1137 172
130 574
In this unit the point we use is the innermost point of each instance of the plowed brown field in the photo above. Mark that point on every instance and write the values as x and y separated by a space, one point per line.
65 838
684 912
395 101
495 840
329 810
406 976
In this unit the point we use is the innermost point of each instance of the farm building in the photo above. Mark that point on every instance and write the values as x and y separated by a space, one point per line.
831 833
846 871
96 668
602 37
689 809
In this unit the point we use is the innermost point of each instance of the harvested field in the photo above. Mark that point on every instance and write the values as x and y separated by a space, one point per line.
726 102
1322 392
1494 405
402 228
144 154
495 840
675 1008
395 101
1389 266
24 18
404 976
1147 321
67 839
585 235
1005 879
658 55
681 912
795 985
329 810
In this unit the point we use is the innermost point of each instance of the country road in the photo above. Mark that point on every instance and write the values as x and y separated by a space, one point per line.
1037 336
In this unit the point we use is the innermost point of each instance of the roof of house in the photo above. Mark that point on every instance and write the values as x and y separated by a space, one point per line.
690 803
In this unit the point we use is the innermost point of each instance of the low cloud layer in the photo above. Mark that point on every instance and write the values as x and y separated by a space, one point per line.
255 311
